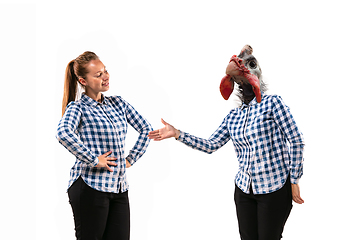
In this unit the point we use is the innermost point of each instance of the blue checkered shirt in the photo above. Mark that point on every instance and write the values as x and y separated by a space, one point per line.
267 142
89 129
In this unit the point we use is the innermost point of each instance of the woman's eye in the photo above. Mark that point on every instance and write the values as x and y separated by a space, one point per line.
252 64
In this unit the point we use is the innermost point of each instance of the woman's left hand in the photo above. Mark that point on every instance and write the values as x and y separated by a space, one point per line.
296 194
128 164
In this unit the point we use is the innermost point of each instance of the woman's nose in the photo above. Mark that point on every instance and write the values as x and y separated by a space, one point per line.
105 76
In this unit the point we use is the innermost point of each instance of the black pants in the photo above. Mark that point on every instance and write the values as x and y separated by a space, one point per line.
263 217
99 215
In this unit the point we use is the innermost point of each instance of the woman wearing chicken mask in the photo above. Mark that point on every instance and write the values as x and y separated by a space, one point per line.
268 145
93 129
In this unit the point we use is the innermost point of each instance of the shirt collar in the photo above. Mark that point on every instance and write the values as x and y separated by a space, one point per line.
253 102
91 102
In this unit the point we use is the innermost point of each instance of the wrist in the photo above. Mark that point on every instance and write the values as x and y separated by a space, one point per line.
95 162
177 133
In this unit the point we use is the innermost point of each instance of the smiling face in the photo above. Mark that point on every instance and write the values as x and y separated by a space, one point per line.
96 80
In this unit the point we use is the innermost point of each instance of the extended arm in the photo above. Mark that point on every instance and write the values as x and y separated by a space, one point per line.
219 138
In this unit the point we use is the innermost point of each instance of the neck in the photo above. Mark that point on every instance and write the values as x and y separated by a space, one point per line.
246 93
95 96
247 100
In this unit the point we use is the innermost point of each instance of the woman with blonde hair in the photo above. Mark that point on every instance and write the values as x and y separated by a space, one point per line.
94 129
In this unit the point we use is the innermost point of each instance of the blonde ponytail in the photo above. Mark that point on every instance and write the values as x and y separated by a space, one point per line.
70 86
74 70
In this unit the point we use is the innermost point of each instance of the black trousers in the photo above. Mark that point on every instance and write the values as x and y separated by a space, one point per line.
99 215
263 217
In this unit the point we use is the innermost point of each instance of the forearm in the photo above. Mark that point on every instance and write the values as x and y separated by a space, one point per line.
205 145
74 145
296 162
139 148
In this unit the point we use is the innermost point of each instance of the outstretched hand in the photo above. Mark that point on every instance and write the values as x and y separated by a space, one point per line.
166 132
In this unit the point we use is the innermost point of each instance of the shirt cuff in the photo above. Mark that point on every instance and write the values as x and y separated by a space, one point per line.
94 163
295 181
130 160
181 136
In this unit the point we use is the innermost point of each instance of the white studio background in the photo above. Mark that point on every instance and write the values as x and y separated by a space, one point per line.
167 59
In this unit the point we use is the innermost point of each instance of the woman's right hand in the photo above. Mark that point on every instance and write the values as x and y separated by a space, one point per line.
105 161
166 132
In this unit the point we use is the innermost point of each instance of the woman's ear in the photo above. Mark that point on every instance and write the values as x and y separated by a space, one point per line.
82 81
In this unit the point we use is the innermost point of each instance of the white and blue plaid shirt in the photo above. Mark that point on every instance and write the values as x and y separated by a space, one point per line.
89 129
267 142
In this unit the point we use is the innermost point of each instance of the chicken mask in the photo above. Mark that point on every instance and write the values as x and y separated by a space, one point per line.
243 69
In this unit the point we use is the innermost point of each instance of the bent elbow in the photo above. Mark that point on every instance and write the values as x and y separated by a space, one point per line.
212 150
61 134
58 135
